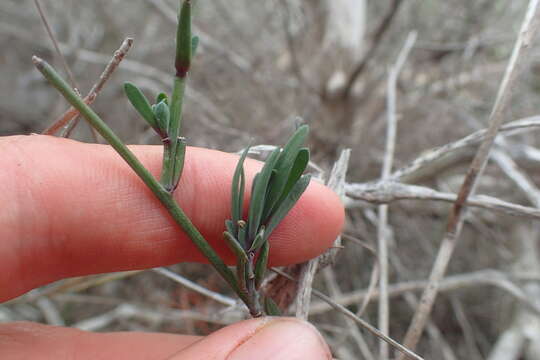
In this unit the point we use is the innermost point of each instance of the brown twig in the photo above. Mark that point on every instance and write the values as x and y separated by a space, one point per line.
455 220
72 113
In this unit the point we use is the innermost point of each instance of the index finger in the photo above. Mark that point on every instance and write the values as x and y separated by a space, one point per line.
72 209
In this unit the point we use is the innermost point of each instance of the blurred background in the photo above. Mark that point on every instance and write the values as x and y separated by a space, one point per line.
262 65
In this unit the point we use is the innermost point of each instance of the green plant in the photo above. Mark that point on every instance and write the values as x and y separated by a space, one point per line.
275 190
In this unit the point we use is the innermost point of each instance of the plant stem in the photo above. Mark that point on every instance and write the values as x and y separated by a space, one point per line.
174 150
172 165
164 196
252 293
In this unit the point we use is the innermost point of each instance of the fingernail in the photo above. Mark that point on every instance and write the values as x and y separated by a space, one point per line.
283 339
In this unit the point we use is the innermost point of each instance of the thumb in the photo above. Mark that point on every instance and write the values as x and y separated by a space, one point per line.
263 338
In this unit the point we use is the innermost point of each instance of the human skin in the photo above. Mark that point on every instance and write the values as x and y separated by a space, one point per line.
71 209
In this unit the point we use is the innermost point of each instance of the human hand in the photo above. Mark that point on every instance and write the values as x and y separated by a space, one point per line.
72 209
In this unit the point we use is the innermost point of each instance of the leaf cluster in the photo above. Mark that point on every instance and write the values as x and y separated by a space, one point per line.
274 192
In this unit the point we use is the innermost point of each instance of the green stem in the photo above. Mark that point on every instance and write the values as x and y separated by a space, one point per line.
173 155
174 151
159 191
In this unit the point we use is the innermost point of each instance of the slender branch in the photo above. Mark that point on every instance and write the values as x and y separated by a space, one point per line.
491 277
332 284
358 320
383 27
510 168
159 191
55 44
456 217
382 227
308 270
112 65
225 300
63 60
174 149
387 192
431 159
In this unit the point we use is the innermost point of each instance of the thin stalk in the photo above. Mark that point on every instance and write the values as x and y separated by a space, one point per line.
164 196
174 150
252 293
172 168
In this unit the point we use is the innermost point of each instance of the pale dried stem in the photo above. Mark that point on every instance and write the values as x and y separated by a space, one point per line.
383 227
510 168
112 65
433 331
45 22
128 311
374 278
335 292
222 299
365 325
455 220
387 192
431 159
56 45
491 277
336 182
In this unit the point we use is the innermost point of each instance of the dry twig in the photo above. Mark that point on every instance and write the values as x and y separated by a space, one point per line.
337 183
430 161
382 227
63 60
72 113
222 299
356 319
45 22
491 277
455 221
387 192
381 30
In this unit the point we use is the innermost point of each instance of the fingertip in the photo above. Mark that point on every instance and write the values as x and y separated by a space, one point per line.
263 338
285 338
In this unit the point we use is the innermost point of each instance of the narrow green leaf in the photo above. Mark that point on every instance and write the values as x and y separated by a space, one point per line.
300 164
234 245
237 189
285 163
253 186
170 154
270 307
162 115
141 104
162 97
287 204
194 45
259 240
261 264
183 41
257 202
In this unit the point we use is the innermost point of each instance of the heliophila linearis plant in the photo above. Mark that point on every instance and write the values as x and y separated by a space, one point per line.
274 191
